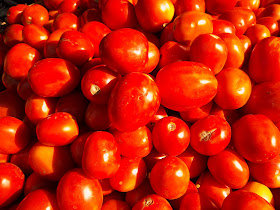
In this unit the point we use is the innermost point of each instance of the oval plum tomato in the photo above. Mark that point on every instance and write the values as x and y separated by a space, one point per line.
52 4
86 193
171 136
151 202
256 138
115 204
210 135
16 56
101 155
11 183
153 15
249 4
75 47
23 89
130 175
15 135
97 84
266 173
182 6
170 177
210 50
242 199
256 33
222 26
264 60
14 14
55 162
36 14
270 23
133 101
189 25
38 108
53 77
134 144
124 50
66 20
234 88
216 7
118 14
196 201
229 168
185 85
13 35
39 199
95 31
272 10
71 6
58 129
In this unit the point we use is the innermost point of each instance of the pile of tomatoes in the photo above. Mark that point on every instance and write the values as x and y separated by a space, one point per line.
140 104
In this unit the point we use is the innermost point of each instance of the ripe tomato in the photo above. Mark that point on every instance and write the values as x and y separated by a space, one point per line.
223 26
115 204
66 20
13 35
257 32
270 23
153 58
151 202
71 6
182 6
219 6
23 89
185 85
36 14
14 14
196 201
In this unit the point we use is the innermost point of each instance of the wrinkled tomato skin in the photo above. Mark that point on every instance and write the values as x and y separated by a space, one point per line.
151 202
76 190
101 156
124 50
229 168
195 85
256 138
43 77
264 61
133 101
12 181
16 56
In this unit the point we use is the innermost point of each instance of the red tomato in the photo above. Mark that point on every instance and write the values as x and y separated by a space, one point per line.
223 26
248 47
256 138
153 58
177 94
197 201
36 14
23 89
15 134
170 177
256 33
14 14
9 82
229 168
249 4
182 6
106 187
11 183
270 23
90 15
152 158
189 25
71 6
216 7
43 76
86 193
4 158
101 155
151 202
115 204
229 115
133 101
58 129
167 34
13 35
124 50
153 15
272 10
66 20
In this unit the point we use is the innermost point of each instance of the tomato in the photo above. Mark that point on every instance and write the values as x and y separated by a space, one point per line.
124 50
71 6
134 144
11 183
223 26
130 175
167 34
171 136
270 23
197 201
194 85
13 35
189 25
182 6
66 20
101 155
242 199
43 76
90 15
16 134
23 89
249 4
257 32
152 158
248 47
268 51
153 15
9 82
219 6
86 193
153 58
256 138
16 56
133 101
210 135
14 14
272 10
115 204
36 14
52 4
229 115
39 199
106 187
170 177
4 158
152 201
210 50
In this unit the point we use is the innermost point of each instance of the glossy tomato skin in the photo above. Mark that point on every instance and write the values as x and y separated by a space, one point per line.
210 135
185 85
171 136
152 201
222 26
229 168
36 14
133 101
153 58
270 23
256 138
268 51
16 134
76 190
101 156
242 199
16 56
257 32
124 50
13 34
14 13
219 6
43 76
182 6
12 181
66 20
170 177
115 204
58 129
